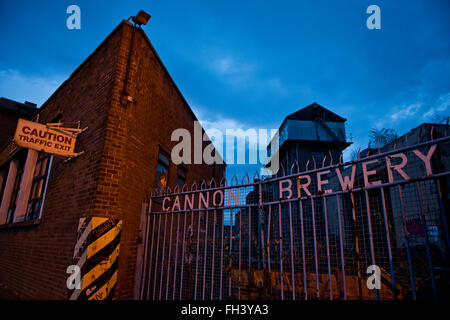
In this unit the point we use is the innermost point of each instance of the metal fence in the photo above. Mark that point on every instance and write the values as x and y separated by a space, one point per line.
306 235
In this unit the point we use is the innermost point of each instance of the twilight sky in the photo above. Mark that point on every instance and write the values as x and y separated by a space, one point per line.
248 64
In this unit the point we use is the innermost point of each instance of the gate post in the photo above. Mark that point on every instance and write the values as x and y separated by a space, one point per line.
141 255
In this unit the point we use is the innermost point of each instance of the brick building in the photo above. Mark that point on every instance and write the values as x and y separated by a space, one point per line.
130 105
10 112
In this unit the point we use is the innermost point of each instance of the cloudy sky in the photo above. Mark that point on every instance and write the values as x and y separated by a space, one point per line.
248 64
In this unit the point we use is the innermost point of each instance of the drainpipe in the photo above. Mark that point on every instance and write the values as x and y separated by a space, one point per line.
126 99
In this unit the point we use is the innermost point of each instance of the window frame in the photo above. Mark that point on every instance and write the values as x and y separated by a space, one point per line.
162 161
14 195
38 179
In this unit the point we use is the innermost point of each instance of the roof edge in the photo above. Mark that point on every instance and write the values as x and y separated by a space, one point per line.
147 40
117 28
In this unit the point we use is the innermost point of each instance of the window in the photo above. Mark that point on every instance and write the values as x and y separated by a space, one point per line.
13 172
38 186
14 196
181 176
162 170
24 186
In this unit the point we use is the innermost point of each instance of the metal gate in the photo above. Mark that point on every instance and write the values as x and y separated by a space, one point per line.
307 235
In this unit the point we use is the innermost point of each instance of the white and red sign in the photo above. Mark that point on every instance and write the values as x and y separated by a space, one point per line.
51 139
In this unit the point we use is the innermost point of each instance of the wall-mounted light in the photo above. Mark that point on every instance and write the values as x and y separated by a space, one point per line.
141 18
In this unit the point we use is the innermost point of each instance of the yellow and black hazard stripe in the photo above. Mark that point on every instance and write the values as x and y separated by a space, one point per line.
97 254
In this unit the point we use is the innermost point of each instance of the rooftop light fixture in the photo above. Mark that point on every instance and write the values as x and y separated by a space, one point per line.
141 18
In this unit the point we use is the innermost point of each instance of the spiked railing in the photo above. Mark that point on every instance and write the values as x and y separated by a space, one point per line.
277 241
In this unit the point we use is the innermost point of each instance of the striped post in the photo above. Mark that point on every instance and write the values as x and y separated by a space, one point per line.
96 253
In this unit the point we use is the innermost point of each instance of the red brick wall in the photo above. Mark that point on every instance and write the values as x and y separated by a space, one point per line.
115 174
33 260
